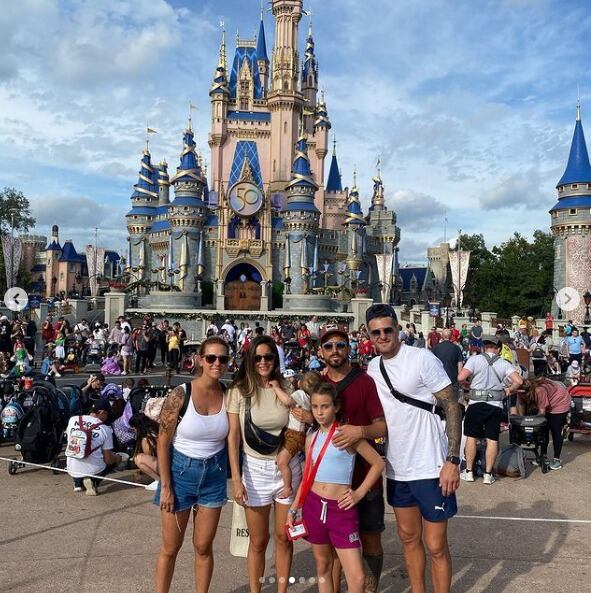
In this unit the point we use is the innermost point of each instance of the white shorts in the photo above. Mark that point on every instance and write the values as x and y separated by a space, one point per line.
263 482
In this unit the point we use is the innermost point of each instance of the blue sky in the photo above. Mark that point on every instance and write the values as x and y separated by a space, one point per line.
470 103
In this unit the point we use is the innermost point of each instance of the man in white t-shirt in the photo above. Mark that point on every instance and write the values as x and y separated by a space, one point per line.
493 379
102 457
422 456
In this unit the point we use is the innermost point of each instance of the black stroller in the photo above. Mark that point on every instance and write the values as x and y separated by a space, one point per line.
529 433
40 434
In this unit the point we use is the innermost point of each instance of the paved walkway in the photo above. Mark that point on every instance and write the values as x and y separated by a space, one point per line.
54 540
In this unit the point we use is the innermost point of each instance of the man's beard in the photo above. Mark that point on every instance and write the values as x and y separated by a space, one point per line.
333 365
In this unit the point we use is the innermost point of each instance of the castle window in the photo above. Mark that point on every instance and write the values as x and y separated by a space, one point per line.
574 186
285 127
572 211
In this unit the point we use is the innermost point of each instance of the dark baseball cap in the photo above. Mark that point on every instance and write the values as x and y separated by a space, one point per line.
101 405
495 340
335 331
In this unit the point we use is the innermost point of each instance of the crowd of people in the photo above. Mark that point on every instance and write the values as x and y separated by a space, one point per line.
120 350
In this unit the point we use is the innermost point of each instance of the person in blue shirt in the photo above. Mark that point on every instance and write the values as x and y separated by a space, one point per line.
576 346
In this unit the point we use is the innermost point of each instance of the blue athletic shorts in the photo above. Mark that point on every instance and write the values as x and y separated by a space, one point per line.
426 494
200 482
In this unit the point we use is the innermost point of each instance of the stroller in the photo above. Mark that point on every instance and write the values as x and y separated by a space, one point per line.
580 410
95 351
40 433
529 433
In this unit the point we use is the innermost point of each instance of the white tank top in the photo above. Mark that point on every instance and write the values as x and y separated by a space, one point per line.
198 436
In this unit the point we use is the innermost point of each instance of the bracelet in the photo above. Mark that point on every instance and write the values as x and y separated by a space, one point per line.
292 512
362 432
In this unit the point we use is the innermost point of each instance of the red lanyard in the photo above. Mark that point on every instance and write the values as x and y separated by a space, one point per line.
311 471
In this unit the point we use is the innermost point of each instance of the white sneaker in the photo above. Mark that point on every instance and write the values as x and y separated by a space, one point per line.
153 486
554 465
467 476
78 489
488 479
57 375
124 373
89 485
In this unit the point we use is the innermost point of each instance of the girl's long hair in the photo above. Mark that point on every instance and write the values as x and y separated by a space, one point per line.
246 379
145 428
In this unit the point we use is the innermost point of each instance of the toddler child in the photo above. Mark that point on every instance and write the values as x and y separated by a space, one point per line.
295 437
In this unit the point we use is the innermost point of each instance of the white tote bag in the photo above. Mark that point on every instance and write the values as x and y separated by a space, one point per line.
239 539
239 532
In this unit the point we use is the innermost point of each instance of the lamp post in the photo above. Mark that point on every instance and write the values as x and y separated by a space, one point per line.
587 299
446 301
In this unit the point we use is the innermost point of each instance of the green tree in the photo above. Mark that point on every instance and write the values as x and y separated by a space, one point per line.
14 210
15 213
517 278
476 290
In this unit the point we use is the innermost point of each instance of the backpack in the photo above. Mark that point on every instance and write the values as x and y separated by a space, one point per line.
511 462
538 353
410 339
80 441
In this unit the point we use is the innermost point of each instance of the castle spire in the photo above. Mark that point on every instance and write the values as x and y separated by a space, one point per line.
334 183
261 41
578 169
220 79
302 187
354 212
377 198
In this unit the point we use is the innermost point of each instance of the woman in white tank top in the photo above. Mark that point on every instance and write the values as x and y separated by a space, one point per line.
192 460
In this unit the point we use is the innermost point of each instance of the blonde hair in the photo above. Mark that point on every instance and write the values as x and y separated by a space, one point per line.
310 382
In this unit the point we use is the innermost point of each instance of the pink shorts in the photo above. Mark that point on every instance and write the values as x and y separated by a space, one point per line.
327 524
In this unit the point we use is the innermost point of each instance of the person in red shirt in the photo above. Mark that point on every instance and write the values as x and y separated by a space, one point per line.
549 321
455 334
363 417
433 338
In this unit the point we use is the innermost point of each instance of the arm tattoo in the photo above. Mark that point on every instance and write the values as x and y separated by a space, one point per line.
170 410
448 400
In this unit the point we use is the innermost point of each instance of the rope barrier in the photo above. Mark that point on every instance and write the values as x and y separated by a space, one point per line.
78 474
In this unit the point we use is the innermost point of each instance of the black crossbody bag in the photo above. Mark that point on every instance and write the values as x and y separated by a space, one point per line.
406 399
256 438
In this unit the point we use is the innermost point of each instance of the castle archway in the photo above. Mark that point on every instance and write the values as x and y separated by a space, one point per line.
242 288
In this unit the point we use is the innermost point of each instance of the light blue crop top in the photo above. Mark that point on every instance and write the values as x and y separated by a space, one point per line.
336 466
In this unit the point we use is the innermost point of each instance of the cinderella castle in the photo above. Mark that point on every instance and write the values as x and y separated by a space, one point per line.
267 230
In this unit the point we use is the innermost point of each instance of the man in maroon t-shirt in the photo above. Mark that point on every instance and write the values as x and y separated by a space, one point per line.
363 418
433 338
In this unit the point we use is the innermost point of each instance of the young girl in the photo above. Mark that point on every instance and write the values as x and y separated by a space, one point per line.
144 456
329 512
295 437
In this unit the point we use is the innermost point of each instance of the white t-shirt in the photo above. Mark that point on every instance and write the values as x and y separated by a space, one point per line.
301 400
417 443
230 329
483 376
102 438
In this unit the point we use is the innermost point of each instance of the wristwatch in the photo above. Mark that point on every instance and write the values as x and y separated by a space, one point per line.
293 512
453 459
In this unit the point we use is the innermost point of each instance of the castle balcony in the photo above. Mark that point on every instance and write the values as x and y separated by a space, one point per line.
236 246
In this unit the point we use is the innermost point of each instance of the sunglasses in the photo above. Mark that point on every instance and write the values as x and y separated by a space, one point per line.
265 357
211 358
387 331
333 345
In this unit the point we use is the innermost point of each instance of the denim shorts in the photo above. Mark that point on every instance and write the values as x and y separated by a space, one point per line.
201 482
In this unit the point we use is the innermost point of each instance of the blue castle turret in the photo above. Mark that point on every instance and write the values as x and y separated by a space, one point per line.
301 218
571 223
